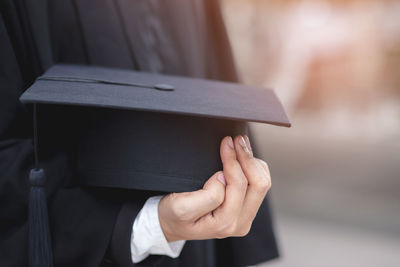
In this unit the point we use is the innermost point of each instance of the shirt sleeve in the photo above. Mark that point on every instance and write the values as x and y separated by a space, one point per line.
147 237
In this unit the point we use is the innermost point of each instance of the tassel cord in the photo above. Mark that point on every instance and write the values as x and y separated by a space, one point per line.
35 137
39 239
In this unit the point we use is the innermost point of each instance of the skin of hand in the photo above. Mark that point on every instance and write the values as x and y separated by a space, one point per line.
227 204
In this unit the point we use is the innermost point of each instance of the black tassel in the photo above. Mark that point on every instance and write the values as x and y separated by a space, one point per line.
40 250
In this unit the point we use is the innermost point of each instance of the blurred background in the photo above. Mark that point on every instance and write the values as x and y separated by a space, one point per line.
335 64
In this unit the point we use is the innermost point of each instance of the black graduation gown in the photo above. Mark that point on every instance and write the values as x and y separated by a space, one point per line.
91 227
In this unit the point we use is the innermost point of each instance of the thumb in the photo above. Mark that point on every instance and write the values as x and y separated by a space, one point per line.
198 203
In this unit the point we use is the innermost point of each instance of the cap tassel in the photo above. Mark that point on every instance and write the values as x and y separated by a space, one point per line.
40 250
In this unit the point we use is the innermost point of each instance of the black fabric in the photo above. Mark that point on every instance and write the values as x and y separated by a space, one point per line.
120 243
72 210
71 85
152 151
164 34
139 138
188 39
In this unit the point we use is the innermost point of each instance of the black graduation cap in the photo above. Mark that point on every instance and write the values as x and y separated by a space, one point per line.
136 130
150 131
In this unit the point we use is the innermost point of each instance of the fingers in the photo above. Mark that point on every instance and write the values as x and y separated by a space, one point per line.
189 206
236 182
264 165
257 174
228 202
252 167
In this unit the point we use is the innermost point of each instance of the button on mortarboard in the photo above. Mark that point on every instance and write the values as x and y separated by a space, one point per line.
164 140
164 87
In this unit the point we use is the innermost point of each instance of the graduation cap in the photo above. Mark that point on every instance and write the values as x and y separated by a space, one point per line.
150 131
147 131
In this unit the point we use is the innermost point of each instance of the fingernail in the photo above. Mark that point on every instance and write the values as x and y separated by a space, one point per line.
247 142
242 142
230 142
221 178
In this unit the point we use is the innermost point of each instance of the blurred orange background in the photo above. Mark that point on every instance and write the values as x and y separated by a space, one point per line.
336 173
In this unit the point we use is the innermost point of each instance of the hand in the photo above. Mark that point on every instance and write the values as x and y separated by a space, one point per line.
228 202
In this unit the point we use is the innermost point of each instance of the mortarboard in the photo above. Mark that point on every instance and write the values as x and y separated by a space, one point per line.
136 130
149 131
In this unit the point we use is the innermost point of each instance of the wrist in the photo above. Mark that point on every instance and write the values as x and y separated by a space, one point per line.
168 232
147 236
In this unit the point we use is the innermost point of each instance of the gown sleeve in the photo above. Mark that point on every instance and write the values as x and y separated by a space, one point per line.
81 220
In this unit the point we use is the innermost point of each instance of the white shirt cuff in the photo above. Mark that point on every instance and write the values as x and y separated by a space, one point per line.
147 236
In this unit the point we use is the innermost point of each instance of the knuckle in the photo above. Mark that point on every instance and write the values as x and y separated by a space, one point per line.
179 209
220 198
262 184
231 167
237 177
268 183
243 231
226 229
173 196
215 197
264 165
176 208
262 162
247 155
231 170
242 182
232 229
